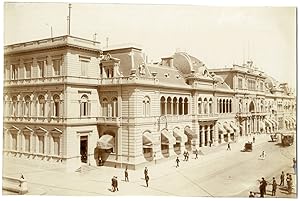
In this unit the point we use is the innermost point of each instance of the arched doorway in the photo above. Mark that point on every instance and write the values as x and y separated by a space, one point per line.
106 146
251 107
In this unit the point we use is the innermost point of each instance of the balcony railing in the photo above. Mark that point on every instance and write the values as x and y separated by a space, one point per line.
35 119
109 120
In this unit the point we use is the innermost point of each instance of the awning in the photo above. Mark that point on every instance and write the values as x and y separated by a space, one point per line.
228 128
190 133
235 128
106 142
267 123
180 136
221 129
147 140
167 138
275 122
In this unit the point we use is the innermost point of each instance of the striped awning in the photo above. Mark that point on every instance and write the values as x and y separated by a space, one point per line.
235 128
167 137
228 128
275 122
106 142
147 140
180 136
221 129
268 123
191 135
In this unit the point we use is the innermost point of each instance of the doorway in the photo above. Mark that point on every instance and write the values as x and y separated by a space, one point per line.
84 148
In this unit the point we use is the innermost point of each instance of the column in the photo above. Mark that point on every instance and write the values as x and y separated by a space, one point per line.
216 134
202 136
177 107
171 107
166 108
243 127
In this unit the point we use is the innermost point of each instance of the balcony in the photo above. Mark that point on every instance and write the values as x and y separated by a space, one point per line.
113 121
127 80
34 119
207 117
34 81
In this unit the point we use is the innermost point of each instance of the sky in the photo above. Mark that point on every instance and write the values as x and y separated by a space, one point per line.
218 36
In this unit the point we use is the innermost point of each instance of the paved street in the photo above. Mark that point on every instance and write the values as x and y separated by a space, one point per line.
220 173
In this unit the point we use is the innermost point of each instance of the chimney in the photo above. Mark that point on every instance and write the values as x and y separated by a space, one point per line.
168 61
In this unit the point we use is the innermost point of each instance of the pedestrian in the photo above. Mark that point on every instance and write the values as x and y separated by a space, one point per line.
177 162
22 176
289 183
261 189
126 175
274 187
184 154
228 146
187 156
251 195
116 183
263 155
294 165
113 184
253 139
282 179
210 142
147 180
196 153
145 172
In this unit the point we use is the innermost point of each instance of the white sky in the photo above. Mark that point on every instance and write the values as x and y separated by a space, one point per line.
219 36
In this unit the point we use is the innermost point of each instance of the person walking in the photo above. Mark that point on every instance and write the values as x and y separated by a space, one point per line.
281 179
196 153
184 154
261 189
228 146
294 165
116 183
126 175
146 172
177 162
210 142
253 140
263 155
147 180
113 184
274 187
187 156
289 183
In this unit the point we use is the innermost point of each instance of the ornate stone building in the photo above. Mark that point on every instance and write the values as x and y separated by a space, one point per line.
67 102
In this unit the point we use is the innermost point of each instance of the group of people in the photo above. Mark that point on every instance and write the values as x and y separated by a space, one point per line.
289 181
186 155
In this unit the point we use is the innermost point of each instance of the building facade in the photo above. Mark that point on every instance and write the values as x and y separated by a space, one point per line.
68 102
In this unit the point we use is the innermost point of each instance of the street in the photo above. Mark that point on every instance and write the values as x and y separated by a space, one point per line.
220 173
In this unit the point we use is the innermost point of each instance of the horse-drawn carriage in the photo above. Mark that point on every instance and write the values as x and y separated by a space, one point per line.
247 147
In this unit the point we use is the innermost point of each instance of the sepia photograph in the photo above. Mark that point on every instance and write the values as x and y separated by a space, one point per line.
116 99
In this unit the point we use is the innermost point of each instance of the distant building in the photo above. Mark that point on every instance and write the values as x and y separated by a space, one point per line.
68 102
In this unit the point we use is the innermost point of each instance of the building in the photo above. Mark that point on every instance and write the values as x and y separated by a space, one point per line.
67 102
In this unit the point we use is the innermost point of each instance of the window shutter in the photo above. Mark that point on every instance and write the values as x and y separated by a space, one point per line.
89 107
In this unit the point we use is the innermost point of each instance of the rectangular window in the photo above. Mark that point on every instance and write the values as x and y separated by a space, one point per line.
240 83
84 67
56 146
57 67
27 143
28 70
14 142
41 144
41 65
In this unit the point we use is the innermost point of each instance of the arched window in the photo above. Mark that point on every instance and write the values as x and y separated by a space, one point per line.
104 107
169 105
224 106
146 106
175 104
41 107
162 105
115 107
180 106
227 106
85 106
199 105
230 105
56 108
205 105
186 106
27 106
210 104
